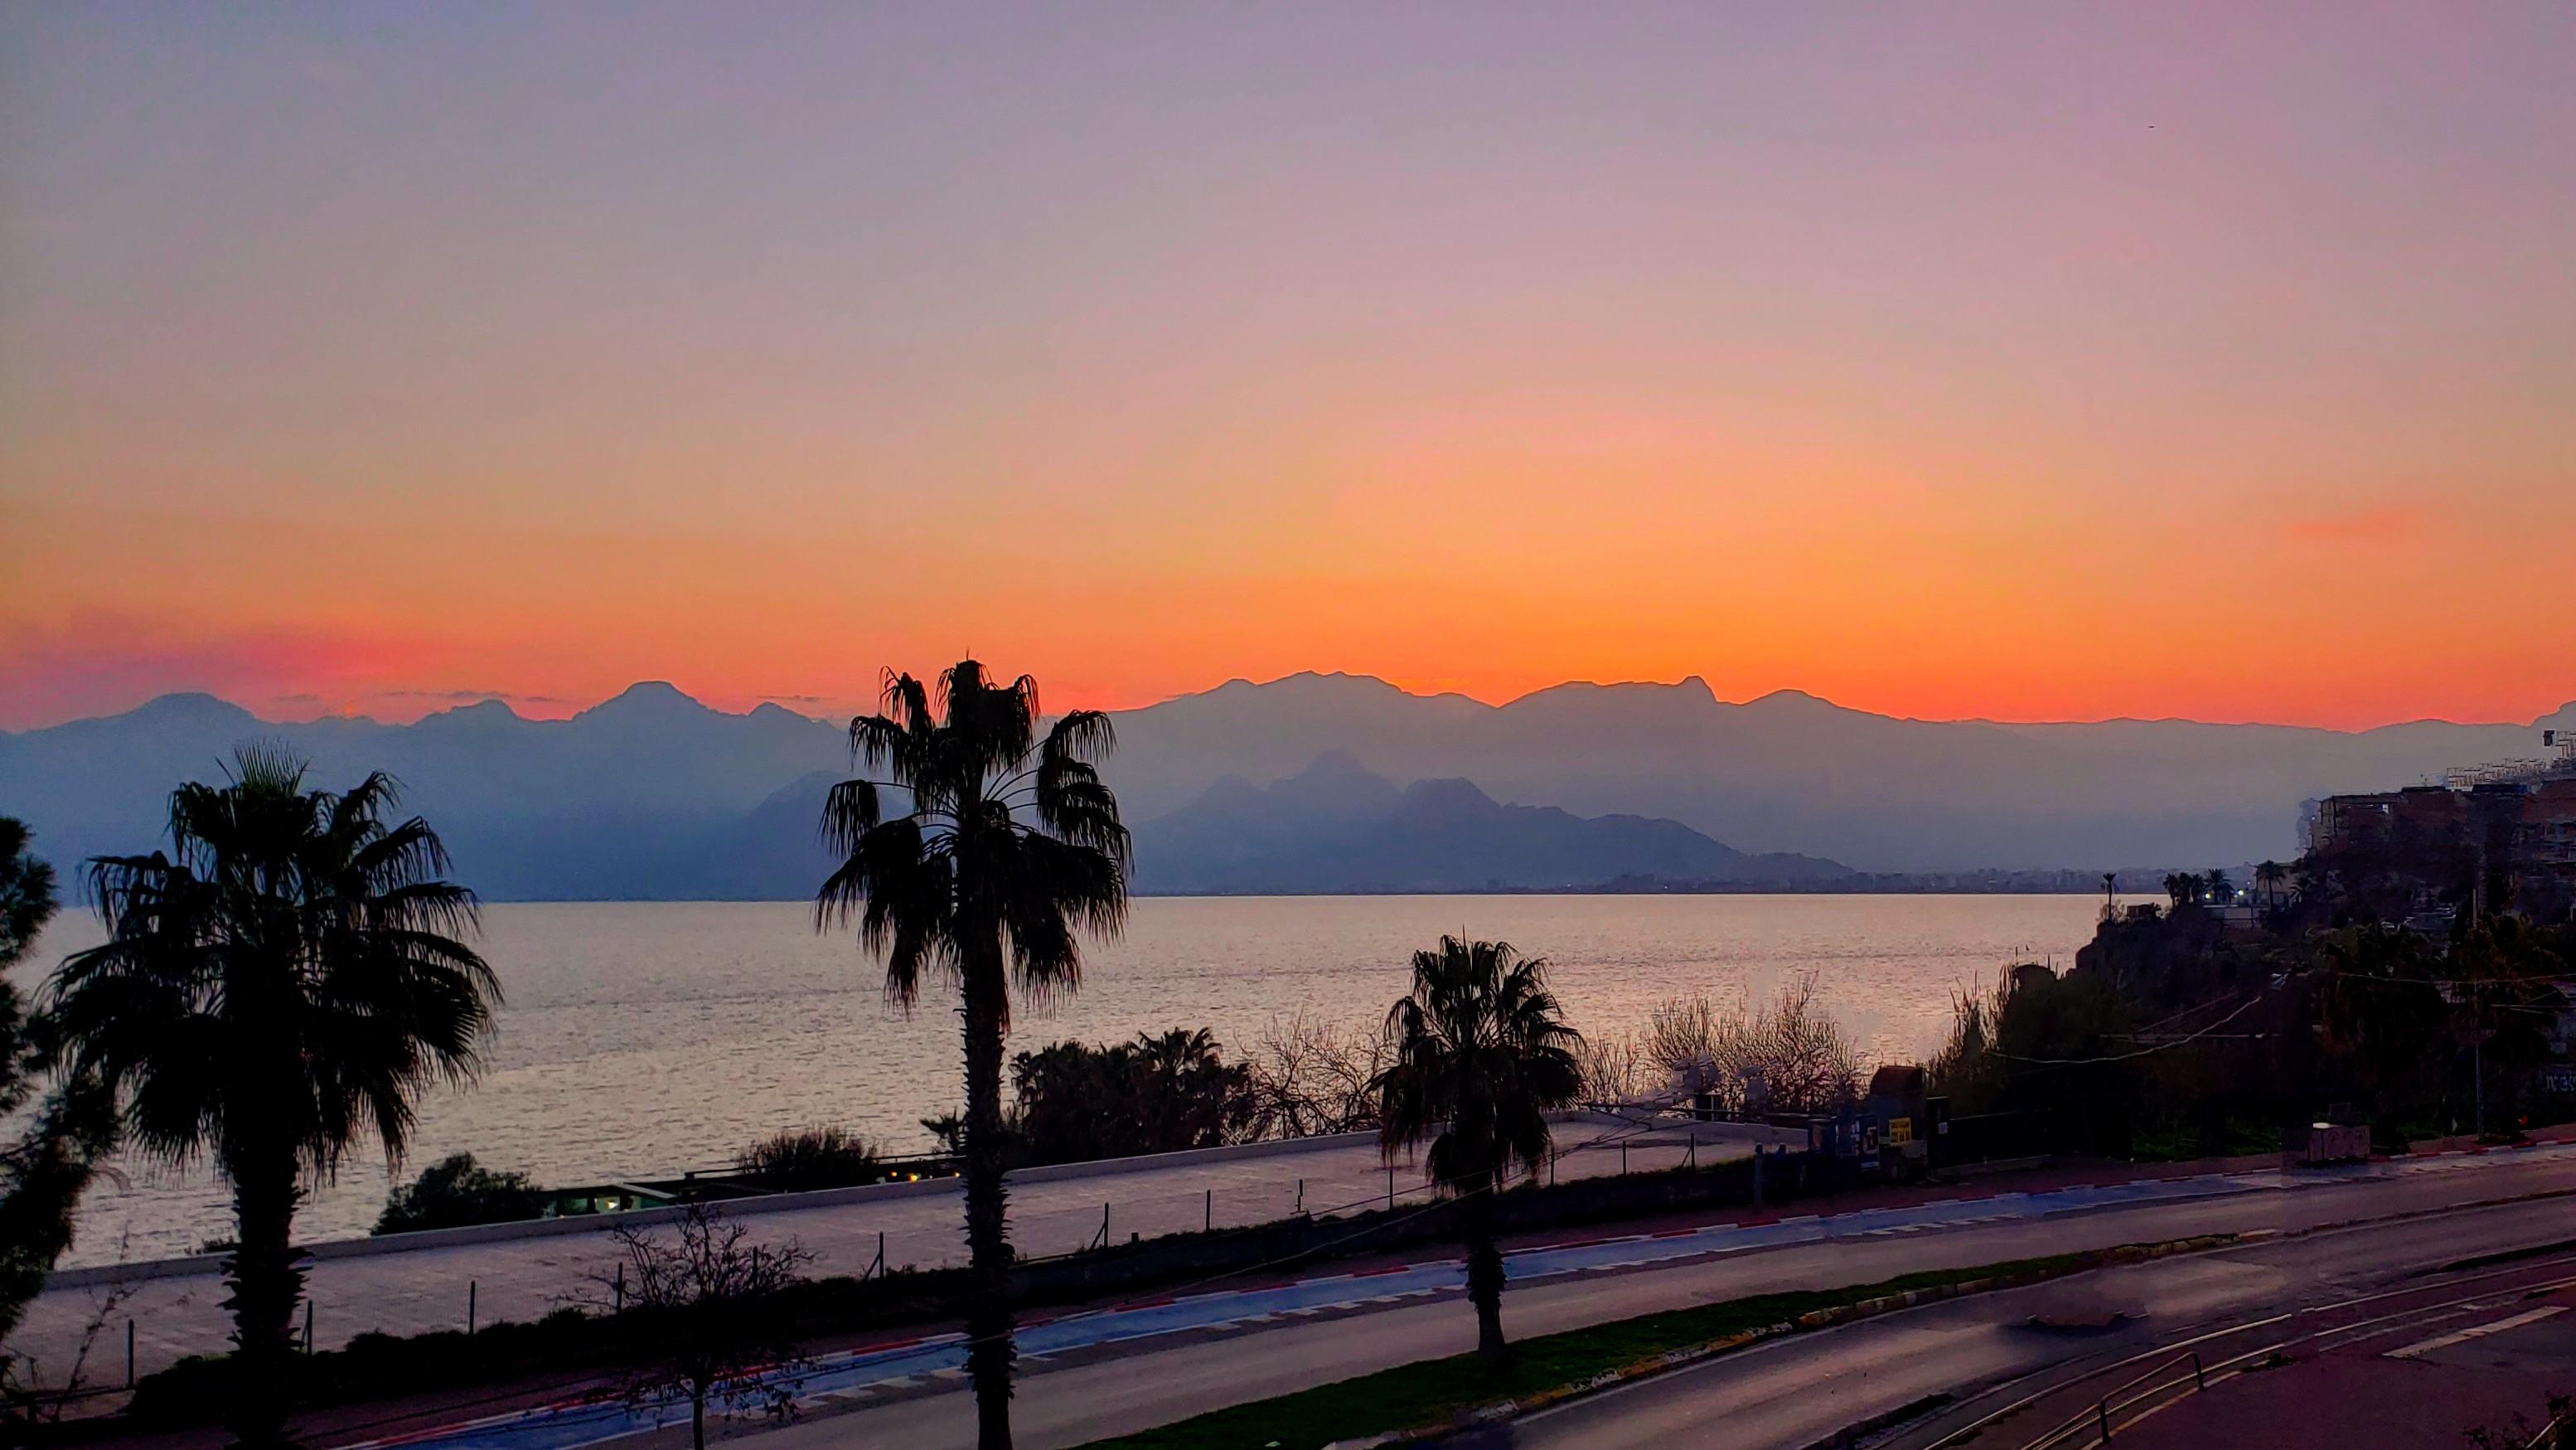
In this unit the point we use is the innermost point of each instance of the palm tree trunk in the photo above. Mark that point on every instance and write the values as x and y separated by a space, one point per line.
989 1352
698 1418
1485 1275
266 1281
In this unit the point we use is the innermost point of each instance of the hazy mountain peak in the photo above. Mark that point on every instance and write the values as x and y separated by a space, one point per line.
1228 792
1438 834
649 698
1792 700
1690 690
190 706
1337 683
1329 764
1449 795
1333 785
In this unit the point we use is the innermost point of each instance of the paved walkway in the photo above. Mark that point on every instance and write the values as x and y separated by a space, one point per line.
428 1288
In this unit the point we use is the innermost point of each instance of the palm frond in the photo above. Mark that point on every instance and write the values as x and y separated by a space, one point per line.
1070 797
378 858
878 740
850 811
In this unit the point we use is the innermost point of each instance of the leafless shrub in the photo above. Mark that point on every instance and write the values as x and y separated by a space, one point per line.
704 1300
1790 1057
1968 1069
1615 1070
1689 1038
1310 1077
24 1400
1806 1059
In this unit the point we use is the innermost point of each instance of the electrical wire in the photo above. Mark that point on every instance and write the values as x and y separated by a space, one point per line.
2248 1005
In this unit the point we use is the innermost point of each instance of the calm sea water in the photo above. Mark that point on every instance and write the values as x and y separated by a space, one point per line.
651 1037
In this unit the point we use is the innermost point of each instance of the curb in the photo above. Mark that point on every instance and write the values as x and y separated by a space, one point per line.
1691 1354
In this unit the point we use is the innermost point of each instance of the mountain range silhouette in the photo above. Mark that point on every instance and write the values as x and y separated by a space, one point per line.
1310 782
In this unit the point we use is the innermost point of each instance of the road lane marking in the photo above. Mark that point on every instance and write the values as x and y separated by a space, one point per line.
2421 1348
2329 1340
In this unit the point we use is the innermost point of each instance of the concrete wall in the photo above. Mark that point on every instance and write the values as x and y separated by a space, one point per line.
440 1238
868 1193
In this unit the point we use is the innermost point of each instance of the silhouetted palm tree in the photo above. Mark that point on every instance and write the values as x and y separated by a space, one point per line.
56 1137
1482 1055
2220 889
1009 843
285 979
2269 876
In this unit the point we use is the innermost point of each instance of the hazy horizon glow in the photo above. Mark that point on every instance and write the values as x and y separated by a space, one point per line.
2018 362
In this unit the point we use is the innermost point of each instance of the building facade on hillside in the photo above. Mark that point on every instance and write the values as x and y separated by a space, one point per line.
2513 824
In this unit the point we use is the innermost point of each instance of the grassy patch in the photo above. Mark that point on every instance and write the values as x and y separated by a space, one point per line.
1434 1392
2185 1142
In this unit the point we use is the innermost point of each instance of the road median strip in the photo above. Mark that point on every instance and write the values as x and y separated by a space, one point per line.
1419 1402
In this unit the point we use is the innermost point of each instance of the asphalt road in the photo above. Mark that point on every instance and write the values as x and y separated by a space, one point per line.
1796 1391
2046 1365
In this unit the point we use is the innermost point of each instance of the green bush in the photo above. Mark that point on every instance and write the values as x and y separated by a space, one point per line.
1153 1095
456 1191
808 1158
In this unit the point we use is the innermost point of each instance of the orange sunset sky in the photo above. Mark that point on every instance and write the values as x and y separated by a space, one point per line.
2012 361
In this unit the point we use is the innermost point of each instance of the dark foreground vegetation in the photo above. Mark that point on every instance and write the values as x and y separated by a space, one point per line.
2227 1022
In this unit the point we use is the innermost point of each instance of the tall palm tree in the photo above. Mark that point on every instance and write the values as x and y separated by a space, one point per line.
1481 1055
286 978
1008 843
2269 876
59 1136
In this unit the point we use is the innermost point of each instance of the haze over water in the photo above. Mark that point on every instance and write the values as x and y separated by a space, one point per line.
647 1038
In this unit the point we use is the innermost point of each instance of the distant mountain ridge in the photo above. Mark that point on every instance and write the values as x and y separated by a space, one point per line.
625 800
654 795
1334 827
1792 772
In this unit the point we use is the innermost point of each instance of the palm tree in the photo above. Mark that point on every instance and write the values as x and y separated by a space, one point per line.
1009 843
60 1136
285 979
2219 888
2269 876
1481 1055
